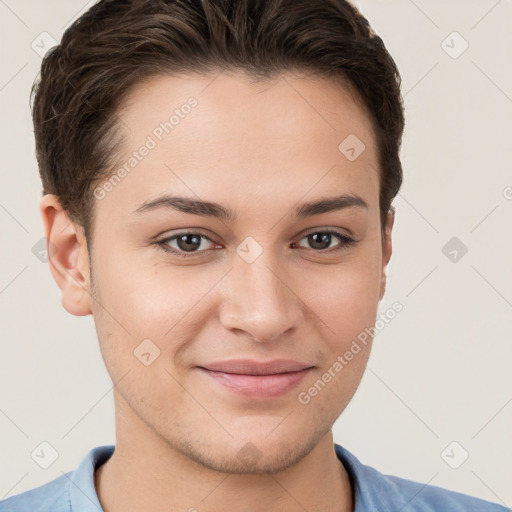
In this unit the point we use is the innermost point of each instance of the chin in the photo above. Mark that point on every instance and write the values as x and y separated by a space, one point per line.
249 459
254 452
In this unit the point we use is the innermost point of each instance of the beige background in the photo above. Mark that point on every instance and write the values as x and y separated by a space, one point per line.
440 371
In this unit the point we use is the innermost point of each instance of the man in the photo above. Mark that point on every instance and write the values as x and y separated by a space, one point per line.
217 188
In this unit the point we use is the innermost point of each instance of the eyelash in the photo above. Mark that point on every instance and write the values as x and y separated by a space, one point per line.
345 242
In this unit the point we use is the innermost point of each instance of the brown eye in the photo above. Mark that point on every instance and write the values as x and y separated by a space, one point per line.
321 240
186 244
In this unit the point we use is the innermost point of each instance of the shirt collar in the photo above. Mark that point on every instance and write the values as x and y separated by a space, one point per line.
82 492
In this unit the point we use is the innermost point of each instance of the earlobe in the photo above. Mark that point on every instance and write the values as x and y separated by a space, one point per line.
67 256
387 249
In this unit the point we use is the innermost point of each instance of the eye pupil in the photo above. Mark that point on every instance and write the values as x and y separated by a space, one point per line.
319 241
186 240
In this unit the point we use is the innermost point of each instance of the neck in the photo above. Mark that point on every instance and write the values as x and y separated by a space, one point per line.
147 473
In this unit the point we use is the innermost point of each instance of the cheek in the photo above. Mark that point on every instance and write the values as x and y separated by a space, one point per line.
346 305
145 298
138 301
346 297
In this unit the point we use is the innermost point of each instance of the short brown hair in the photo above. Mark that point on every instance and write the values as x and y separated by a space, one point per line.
117 44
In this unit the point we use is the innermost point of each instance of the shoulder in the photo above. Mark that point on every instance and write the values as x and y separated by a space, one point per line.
73 491
421 497
53 495
377 491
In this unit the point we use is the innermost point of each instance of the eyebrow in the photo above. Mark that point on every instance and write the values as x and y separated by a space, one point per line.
211 209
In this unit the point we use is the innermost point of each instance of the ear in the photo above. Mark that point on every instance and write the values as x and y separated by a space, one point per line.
67 256
386 248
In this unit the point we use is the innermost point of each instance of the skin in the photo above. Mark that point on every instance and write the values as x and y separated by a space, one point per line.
260 149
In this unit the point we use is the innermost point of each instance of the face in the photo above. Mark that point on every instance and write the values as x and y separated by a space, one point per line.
181 290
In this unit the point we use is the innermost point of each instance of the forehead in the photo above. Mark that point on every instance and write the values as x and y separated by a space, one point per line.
211 135
230 99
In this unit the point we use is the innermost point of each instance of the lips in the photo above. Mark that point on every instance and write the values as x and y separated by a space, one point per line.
257 379
251 367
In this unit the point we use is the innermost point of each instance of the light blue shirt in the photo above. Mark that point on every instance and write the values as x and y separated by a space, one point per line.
374 492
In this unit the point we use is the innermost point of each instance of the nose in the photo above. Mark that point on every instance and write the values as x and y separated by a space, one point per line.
259 300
